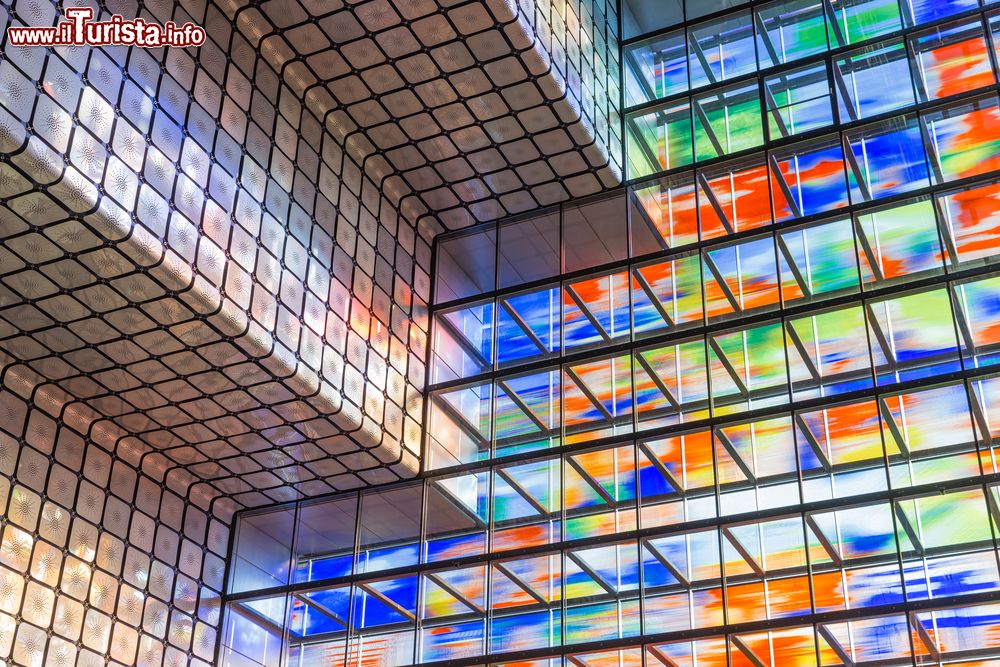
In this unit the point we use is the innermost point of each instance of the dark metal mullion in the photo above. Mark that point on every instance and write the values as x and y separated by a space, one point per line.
316 555
339 636
522 406
793 266
653 161
970 654
765 37
743 552
674 571
257 618
455 593
590 481
286 633
852 162
786 190
702 59
585 390
883 341
864 59
994 507
814 444
803 352
706 123
825 633
890 422
908 528
713 200
866 247
925 638
462 421
746 651
585 309
831 20
321 608
991 45
475 518
979 417
629 57
964 328
658 381
772 107
519 321
662 469
523 492
591 572
386 600
947 236
932 153
652 296
918 81
721 280
517 581
636 206
824 541
845 92
661 656
730 448
728 365
462 341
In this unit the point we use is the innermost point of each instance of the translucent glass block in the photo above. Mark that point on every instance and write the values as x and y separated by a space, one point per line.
727 121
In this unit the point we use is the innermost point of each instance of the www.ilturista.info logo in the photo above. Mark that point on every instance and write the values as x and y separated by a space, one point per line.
78 29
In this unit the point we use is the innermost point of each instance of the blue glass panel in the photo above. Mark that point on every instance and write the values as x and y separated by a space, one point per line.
721 49
886 159
925 11
655 68
808 179
389 557
527 326
326 568
452 547
873 81
384 602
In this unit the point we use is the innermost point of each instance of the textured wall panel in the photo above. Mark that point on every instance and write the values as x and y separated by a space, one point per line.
226 266
461 111
234 294
100 563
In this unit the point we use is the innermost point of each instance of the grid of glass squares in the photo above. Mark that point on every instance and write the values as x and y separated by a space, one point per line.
845 512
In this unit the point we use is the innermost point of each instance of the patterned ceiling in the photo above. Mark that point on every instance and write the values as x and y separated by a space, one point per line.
213 262
461 111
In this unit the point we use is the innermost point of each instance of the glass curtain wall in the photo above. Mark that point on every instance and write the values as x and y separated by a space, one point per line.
743 412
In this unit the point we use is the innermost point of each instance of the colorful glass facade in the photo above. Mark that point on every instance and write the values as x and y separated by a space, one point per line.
743 412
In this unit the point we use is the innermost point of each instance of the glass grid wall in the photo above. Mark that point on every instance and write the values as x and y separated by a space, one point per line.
744 412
